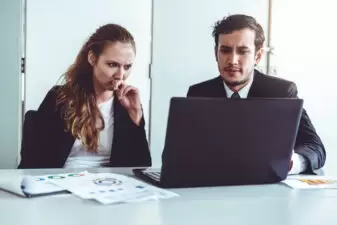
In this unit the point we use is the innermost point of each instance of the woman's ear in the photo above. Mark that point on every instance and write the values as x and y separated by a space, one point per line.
91 58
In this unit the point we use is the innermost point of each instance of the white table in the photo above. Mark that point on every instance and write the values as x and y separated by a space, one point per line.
256 205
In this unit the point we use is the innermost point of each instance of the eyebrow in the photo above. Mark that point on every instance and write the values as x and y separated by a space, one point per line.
229 47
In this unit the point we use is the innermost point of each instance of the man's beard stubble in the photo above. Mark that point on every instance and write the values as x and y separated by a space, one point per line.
241 82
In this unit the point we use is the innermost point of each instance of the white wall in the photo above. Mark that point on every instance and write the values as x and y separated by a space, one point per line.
304 34
10 75
183 51
56 30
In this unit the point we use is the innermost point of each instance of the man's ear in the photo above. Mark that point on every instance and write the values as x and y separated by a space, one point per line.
258 55
91 58
216 52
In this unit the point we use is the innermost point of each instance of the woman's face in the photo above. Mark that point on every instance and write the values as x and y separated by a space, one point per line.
112 66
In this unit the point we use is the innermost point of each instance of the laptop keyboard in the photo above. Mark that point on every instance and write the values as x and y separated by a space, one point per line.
153 175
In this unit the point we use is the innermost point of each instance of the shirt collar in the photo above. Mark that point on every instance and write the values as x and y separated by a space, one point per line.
243 92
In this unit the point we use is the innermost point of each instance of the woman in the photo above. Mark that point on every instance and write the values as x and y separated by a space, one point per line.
94 119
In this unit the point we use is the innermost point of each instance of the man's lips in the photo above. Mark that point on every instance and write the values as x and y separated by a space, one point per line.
232 70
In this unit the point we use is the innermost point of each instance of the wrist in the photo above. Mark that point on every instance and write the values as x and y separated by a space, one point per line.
136 115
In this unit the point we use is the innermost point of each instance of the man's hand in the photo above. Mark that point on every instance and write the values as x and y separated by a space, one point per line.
297 164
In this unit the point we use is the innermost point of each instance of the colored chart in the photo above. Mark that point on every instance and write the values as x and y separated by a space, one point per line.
53 177
317 182
107 181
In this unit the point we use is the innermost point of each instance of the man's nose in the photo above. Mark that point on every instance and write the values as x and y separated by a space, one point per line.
233 59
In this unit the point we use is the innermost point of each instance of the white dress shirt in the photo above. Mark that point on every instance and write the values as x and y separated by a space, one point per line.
79 157
299 163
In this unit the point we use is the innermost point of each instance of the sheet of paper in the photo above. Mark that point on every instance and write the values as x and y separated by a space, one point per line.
41 184
141 192
110 188
311 182
11 181
26 185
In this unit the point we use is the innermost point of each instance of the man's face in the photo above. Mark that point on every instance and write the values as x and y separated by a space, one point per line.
236 57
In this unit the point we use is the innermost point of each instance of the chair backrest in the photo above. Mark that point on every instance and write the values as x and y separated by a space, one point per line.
29 128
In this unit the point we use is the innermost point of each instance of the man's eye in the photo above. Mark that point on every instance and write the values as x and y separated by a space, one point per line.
127 67
244 51
225 50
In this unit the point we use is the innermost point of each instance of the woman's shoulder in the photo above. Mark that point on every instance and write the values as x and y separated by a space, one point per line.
55 89
49 102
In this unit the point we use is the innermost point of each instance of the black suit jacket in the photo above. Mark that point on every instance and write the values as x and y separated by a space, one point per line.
308 144
49 145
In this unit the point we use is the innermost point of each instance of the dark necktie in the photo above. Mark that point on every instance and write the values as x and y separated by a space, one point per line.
235 95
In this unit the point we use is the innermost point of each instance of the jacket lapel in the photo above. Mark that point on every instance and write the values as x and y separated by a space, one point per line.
218 89
118 117
119 125
255 89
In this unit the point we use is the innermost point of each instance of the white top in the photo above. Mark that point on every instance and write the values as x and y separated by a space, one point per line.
79 157
299 163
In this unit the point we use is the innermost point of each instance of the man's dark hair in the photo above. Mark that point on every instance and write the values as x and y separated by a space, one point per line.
238 22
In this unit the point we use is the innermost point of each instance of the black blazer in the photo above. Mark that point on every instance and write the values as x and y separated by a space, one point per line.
308 143
49 145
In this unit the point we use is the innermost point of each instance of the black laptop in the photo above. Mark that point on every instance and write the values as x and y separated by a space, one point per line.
215 142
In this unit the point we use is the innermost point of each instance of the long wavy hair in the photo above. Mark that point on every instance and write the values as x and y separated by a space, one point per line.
76 97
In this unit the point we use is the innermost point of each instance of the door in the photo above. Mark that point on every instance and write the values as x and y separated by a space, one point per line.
11 26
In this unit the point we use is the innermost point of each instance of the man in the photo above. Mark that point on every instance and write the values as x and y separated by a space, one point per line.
238 49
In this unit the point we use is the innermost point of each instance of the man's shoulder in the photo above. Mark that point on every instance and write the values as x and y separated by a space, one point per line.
272 80
271 86
261 77
206 83
208 88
